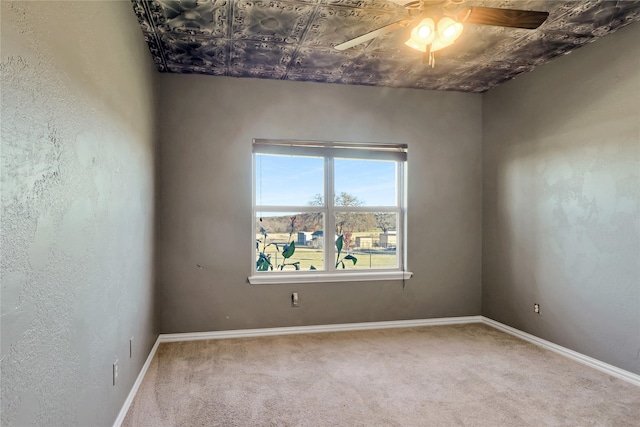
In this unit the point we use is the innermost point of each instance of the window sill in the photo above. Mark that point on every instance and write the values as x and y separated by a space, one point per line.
280 279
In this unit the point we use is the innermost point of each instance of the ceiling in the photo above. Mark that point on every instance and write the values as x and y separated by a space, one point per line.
294 40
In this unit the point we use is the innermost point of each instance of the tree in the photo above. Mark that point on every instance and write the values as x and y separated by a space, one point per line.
346 199
348 222
353 221
386 221
317 200
313 220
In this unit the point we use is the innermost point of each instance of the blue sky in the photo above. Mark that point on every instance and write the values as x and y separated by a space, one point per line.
295 180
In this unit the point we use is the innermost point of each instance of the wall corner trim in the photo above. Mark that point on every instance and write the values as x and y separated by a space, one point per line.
136 385
574 355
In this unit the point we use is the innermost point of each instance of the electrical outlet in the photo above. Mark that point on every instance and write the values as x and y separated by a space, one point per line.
130 347
536 308
115 371
294 299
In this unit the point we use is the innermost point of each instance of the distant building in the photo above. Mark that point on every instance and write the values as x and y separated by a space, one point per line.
317 239
364 242
304 238
388 239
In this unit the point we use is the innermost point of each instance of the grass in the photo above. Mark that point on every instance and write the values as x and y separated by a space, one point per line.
367 259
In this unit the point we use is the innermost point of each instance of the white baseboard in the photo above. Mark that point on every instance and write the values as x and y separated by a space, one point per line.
136 385
246 333
574 355
263 332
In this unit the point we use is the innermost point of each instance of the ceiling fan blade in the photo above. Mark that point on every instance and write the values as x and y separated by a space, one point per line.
513 18
373 34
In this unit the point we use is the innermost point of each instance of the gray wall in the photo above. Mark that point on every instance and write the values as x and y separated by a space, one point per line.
206 127
77 210
561 161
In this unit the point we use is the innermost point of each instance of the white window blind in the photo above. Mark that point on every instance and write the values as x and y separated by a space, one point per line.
345 150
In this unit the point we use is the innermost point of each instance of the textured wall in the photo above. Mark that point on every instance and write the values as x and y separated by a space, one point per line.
561 214
77 210
206 127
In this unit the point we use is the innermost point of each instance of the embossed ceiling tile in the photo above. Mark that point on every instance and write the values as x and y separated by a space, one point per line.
393 42
574 12
505 52
444 84
539 5
326 62
318 78
157 52
149 35
540 48
152 10
379 69
294 40
274 21
487 83
447 73
574 40
258 59
483 44
195 51
352 81
141 14
335 25
597 18
201 17
369 4
491 74
193 69
256 73
397 83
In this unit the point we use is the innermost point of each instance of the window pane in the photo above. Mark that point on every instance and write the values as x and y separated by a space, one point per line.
288 181
369 239
365 183
274 233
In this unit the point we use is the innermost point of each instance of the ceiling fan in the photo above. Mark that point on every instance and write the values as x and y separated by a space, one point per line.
442 22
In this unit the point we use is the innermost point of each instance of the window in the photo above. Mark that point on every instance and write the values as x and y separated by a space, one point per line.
328 211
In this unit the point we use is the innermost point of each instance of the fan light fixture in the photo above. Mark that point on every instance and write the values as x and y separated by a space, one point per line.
422 35
425 34
428 37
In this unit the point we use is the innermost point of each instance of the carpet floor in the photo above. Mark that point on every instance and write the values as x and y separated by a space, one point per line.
462 375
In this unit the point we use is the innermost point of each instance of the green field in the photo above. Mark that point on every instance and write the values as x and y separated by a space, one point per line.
375 258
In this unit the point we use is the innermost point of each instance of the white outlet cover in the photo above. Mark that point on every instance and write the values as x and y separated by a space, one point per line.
115 371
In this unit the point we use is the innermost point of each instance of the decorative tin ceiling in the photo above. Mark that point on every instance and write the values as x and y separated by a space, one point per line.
294 40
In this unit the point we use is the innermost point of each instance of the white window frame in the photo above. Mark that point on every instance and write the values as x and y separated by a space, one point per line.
330 151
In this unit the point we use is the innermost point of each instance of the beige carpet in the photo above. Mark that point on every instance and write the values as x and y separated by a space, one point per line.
466 375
